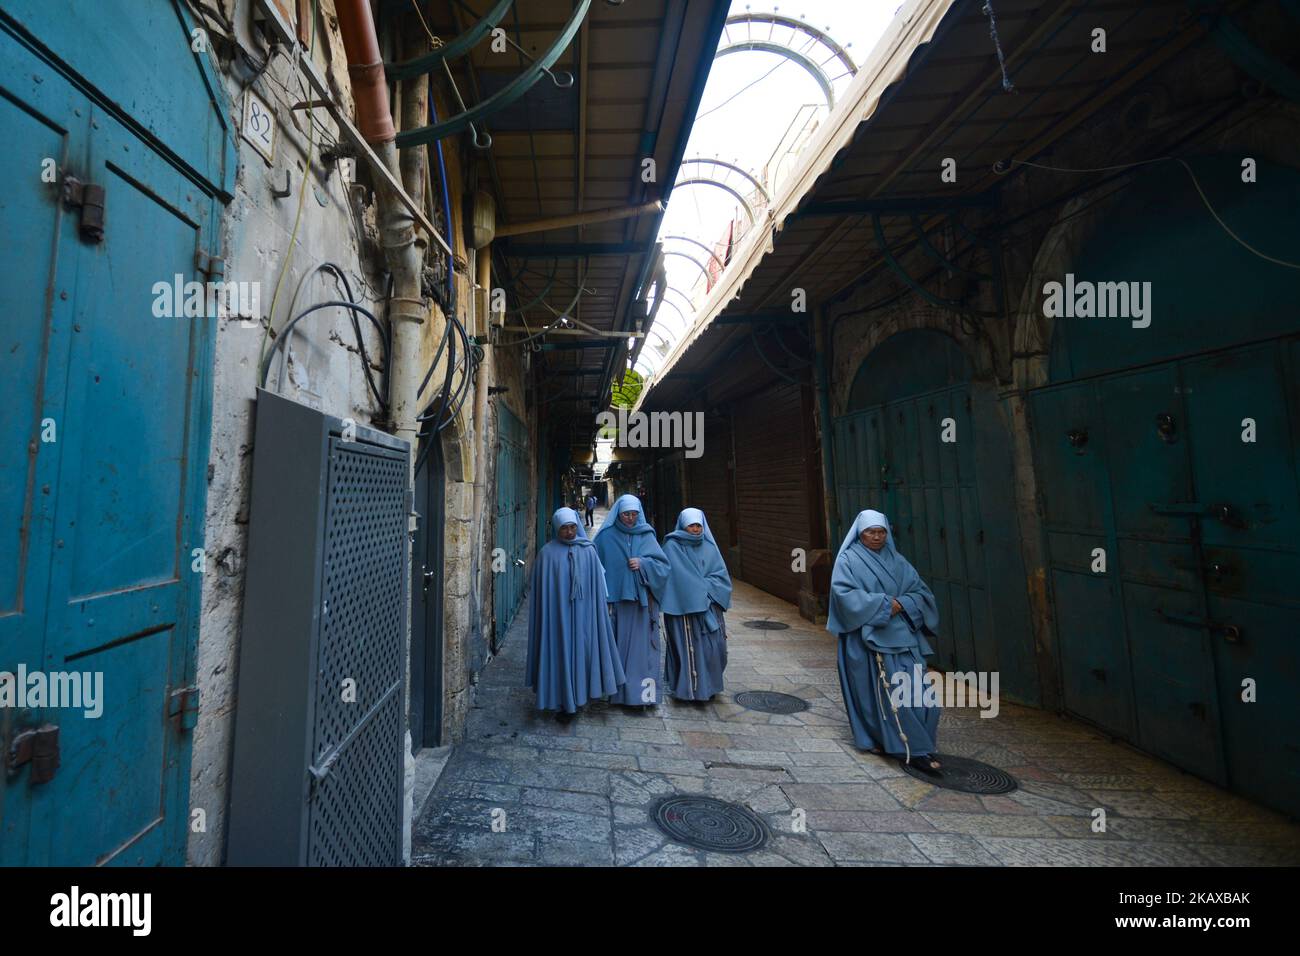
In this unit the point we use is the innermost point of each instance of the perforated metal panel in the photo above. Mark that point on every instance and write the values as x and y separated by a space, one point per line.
319 765
362 616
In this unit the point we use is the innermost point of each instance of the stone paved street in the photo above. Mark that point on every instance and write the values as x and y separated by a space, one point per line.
580 794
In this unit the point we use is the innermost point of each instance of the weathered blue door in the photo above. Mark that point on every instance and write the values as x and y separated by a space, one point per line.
1183 476
104 436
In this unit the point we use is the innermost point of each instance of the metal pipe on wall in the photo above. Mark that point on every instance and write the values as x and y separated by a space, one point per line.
408 310
483 302
581 219
821 375
405 257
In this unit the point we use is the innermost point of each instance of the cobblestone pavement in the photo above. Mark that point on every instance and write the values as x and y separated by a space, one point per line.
580 794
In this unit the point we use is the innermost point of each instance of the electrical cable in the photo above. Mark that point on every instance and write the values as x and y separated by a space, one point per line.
335 270
265 365
297 218
1001 168
768 362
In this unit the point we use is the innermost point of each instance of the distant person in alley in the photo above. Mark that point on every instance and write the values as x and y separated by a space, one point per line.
591 510
696 595
636 570
572 657
882 611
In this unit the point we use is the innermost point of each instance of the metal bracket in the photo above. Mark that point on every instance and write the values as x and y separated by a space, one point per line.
89 199
183 703
38 746
1231 632
288 187
214 267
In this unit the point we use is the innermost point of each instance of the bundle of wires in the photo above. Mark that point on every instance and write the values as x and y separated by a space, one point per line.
354 309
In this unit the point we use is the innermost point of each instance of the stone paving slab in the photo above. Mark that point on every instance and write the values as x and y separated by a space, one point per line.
524 790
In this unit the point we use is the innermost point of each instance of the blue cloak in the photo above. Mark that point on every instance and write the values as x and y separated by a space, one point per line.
572 658
875 646
862 584
616 542
699 577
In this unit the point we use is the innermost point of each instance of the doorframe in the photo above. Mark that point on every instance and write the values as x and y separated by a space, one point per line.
425 709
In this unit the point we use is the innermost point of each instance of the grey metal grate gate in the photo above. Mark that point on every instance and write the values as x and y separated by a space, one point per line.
319 757
353 820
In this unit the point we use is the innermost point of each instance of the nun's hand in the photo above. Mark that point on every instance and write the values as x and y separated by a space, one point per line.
894 607
634 564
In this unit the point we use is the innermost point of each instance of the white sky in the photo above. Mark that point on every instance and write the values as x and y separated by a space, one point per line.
743 124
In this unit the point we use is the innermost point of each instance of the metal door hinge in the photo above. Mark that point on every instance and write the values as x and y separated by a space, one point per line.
1230 632
183 703
38 746
89 199
214 267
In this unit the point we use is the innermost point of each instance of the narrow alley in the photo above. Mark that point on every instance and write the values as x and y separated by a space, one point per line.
898 346
583 794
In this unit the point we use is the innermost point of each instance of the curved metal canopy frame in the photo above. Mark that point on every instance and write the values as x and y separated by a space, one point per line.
660 319
686 322
703 180
690 304
450 51
691 259
695 242
770 44
503 97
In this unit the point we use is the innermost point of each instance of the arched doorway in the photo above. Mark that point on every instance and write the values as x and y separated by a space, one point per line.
427 598
1166 452
926 445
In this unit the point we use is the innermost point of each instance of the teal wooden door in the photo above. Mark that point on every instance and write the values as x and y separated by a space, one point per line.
512 519
892 458
103 443
1069 447
1200 526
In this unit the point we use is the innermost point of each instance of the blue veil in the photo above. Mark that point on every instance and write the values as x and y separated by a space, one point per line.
863 583
699 575
616 542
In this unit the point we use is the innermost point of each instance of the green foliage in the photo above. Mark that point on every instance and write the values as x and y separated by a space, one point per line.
628 390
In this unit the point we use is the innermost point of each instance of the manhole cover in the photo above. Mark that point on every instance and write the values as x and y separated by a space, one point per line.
966 775
767 625
770 702
709 824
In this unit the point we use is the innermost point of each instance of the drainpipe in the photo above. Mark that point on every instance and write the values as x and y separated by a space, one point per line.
821 376
404 255
484 301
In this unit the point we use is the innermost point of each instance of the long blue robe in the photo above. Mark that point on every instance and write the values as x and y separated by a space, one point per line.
633 598
875 647
572 657
697 593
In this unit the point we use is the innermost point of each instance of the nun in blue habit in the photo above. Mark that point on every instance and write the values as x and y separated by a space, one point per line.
696 595
882 612
572 657
636 571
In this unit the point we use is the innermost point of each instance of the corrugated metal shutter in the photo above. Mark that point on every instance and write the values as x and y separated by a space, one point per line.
773 476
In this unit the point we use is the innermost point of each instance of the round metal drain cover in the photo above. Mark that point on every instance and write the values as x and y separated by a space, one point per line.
966 775
767 625
709 824
770 702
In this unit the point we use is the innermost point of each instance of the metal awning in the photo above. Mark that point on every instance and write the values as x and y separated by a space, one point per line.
932 89
638 72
